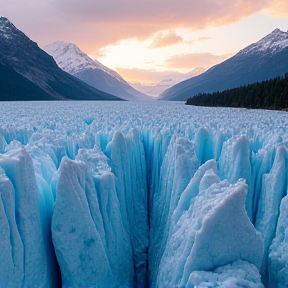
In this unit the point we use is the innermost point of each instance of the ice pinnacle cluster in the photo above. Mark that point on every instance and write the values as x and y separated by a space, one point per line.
96 194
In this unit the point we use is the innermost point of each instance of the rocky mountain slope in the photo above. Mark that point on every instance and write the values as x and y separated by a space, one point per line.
34 75
260 61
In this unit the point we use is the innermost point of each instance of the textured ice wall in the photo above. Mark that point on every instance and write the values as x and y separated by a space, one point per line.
214 231
278 256
134 194
238 274
27 212
127 157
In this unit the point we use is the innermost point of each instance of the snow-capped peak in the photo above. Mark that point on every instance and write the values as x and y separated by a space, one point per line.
72 60
6 28
175 78
4 21
168 81
270 44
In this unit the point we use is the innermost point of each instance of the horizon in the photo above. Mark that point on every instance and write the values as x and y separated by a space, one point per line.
145 43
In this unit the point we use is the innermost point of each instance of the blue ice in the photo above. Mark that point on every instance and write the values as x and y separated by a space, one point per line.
105 194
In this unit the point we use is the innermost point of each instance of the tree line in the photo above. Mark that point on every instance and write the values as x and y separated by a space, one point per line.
269 94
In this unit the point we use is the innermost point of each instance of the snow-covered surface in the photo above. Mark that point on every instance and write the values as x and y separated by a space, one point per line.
72 60
5 28
168 81
271 44
119 188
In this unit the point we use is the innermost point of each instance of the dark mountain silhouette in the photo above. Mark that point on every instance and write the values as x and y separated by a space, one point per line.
34 75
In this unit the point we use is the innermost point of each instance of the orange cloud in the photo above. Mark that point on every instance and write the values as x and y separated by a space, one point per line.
278 8
195 60
97 23
202 39
162 40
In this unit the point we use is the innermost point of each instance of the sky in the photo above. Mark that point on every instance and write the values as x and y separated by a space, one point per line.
147 40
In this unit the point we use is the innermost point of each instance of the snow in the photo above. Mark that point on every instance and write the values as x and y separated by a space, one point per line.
271 44
106 194
75 62
72 60
168 81
6 28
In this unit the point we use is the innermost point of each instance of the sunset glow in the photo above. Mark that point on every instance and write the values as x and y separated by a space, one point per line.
143 42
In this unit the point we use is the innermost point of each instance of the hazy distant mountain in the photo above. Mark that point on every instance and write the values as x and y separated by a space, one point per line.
260 61
29 73
74 61
168 81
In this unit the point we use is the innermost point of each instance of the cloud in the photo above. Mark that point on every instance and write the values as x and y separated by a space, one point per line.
195 60
93 24
197 40
143 75
162 40
202 39
278 8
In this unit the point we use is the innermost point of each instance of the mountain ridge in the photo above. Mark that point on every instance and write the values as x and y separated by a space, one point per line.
26 59
259 61
166 82
74 61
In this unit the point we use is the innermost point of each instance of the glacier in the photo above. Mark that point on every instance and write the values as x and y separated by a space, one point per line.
105 194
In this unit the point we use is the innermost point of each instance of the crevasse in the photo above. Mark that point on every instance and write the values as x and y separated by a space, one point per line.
142 195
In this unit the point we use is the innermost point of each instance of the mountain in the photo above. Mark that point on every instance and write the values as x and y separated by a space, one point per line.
168 81
29 73
75 62
260 61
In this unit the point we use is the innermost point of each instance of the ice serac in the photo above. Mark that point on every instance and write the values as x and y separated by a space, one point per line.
238 274
80 249
128 164
218 213
179 165
119 248
204 145
278 253
273 190
192 189
11 246
34 262
2 143
234 163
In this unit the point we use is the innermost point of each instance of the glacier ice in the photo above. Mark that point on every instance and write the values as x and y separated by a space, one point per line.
238 274
105 194
278 252
29 223
274 188
218 213
11 256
